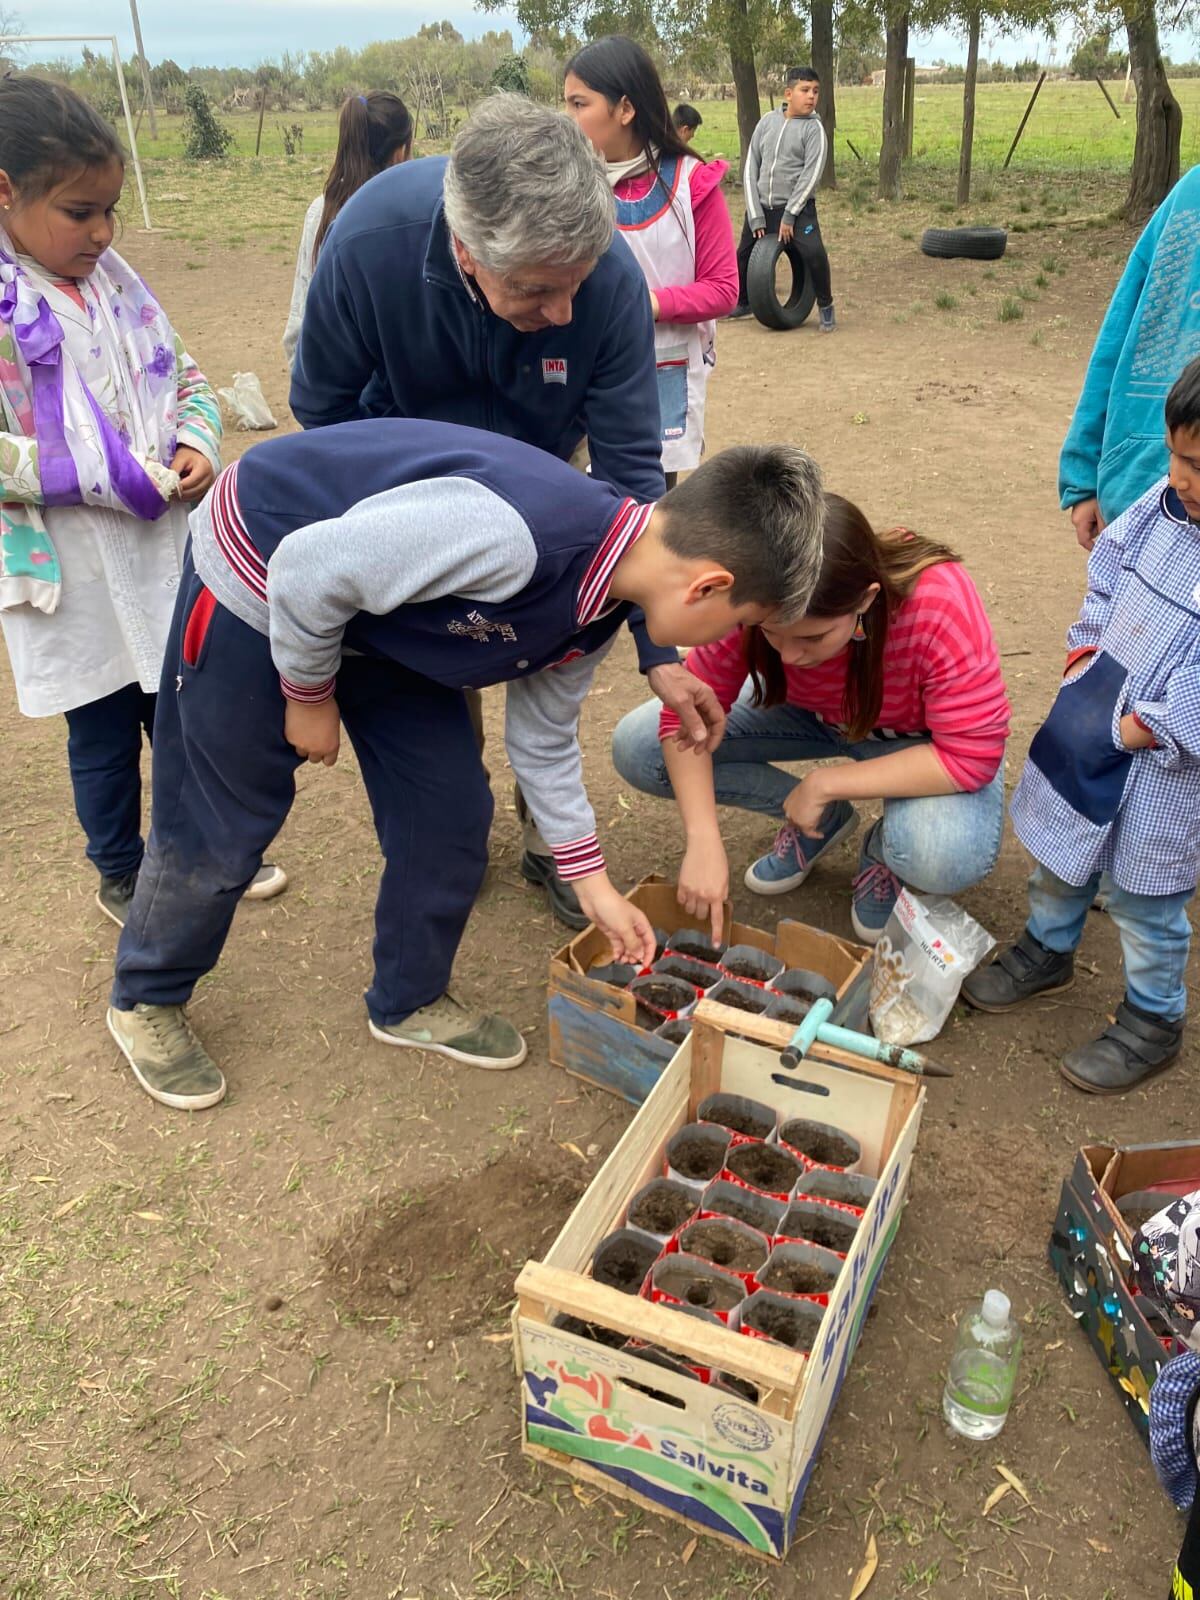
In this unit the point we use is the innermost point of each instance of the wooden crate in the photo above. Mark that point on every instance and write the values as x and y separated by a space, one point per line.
725 1466
593 1034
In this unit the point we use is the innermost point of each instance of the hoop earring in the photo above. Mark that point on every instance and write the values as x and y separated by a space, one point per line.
860 633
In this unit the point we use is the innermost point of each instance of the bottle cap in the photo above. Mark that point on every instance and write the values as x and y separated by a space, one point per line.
996 1307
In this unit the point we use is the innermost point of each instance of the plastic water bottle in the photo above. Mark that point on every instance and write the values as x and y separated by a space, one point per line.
983 1369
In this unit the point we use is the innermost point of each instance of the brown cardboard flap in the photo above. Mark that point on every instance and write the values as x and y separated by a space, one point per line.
1141 1168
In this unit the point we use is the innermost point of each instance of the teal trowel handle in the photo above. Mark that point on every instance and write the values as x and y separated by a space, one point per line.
817 1027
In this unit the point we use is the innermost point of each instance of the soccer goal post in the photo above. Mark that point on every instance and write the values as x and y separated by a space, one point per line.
109 39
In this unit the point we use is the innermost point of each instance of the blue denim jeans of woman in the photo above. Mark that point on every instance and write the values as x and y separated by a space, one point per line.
1155 930
938 844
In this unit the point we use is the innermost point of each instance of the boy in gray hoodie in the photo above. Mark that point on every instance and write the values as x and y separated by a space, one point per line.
783 167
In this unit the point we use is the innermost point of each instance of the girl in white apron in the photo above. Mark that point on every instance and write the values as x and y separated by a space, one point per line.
673 216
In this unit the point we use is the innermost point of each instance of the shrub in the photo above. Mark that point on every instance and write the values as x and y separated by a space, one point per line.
204 139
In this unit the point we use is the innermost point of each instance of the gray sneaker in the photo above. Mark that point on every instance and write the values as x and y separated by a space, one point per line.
167 1059
115 896
266 883
446 1028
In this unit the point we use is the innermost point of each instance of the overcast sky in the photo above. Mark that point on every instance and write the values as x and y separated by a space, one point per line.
245 32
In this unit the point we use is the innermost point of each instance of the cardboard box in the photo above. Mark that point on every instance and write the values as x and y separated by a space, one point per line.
725 1466
592 1030
1090 1250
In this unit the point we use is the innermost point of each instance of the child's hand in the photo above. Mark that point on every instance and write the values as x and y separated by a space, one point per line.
786 229
805 806
1087 522
195 472
626 928
1134 736
313 731
760 233
704 881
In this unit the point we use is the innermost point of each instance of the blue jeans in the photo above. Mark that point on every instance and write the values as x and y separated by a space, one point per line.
104 753
1155 934
940 844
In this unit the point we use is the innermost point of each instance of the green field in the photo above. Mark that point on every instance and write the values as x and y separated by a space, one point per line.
1071 162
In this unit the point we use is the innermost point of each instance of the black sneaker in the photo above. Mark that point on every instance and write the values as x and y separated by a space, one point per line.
564 902
115 895
738 312
1133 1048
1018 973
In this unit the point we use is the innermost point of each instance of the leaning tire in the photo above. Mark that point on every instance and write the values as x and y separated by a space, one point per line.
762 293
976 244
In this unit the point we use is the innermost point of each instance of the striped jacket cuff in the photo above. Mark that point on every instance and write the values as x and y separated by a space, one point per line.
308 693
578 859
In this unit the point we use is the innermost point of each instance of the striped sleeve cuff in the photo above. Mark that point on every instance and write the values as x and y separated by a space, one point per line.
308 693
578 859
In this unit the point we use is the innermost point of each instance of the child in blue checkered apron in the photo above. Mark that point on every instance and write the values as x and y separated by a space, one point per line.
1110 797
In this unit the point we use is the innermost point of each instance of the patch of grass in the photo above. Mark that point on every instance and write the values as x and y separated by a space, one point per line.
1027 293
1042 281
907 233
1036 339
945 301
1010 310
1049 263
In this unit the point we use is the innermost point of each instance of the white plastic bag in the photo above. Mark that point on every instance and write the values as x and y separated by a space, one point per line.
248 403
927 949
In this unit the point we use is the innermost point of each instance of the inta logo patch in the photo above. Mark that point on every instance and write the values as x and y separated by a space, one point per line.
554 369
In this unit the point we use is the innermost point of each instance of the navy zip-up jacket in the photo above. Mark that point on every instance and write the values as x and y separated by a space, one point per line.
391 329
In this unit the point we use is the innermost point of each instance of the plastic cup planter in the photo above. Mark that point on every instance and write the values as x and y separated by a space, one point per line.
793 1322
623 1259
661 999
694 946
748 964
689 1282
820 1222
725 1199
806 1271
740 1250
739 1114
800 984
843 1188
698 973
696 1154
768 1168
675 1031
820 1144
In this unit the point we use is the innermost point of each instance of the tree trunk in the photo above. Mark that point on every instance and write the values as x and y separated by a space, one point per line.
968 122
891 150
743 73
822 59
1155 169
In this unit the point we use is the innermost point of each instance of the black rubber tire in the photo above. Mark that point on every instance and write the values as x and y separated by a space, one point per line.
976 244
762 294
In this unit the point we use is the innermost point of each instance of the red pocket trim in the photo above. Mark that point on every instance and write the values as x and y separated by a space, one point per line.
198 623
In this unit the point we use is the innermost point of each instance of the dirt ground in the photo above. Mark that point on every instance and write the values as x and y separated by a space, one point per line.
263 1352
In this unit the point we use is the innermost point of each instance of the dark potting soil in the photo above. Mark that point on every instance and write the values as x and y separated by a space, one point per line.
832 1229
676 966
663 1208
740 1115
668 994
795 1326
818 1144
591 1330
694 946
745 1207
740 1000
797 1277
785 1009
847 1187
695 1289
765 1167
623 1263
746 967
742 1386
697 1155
714 1240
675 1031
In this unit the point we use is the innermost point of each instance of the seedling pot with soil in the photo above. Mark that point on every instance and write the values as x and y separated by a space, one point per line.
741 996
590 1330
821 1144
739 1114
675 1031
800 984
696 1153
784 1008
818 1222
660 999
660 1208
774 1316
727 1244
695 946
748 962
727 1199
846 1188
617 973
698 973
687 1281
801 1269
623 1259
765 1167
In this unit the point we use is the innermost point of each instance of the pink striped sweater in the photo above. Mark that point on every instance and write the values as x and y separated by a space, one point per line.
941 677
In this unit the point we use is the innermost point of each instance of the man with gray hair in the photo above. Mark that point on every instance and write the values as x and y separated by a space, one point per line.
492 290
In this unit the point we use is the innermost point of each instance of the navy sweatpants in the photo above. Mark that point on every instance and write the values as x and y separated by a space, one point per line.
104 753
224 781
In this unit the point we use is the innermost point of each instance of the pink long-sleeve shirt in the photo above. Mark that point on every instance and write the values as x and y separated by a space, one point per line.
714 291
941 676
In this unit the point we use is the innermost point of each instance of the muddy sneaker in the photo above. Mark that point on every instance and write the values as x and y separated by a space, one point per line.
793 855
266 883
874 893
167 1059
447 1029
1025 969
828 321
1133 1048
115 896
